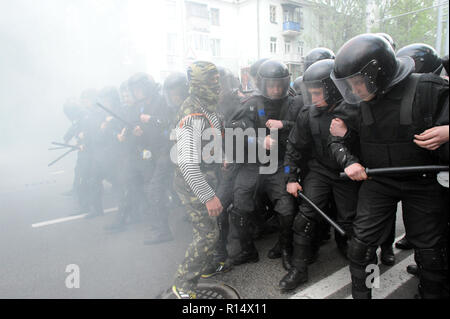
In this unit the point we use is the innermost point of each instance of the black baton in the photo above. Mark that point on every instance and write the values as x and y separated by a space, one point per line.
66 153
401 170
317 209
128 124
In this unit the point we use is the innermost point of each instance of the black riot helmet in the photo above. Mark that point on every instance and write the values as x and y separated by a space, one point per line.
318 54
176 89
109 97
142 86
445 65
424 56
254 71
366 65
274 80
227 80
297 85
388 38
317 87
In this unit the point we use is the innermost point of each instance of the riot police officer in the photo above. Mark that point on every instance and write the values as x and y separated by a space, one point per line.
425 58
318 54
368 73
310 135
271 111
175 91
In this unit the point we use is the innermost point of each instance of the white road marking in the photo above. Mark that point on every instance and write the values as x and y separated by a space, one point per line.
393 278
331 284
56 172
66 219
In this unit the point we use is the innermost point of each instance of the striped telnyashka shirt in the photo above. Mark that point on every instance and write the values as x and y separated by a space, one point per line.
189 150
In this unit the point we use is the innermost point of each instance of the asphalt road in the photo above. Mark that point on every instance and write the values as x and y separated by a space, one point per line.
34 255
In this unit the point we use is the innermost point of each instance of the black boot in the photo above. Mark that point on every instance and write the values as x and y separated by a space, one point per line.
433 273
248 253
285 240
403 244
275 251
298 273
412 269
360 255
387 255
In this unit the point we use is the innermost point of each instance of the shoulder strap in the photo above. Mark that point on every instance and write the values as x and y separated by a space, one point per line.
285 107
366 114
406 113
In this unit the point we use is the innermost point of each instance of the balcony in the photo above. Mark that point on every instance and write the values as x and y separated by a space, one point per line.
291 29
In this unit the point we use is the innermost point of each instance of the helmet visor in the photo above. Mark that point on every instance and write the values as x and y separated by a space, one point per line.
314 93
358 87
274 88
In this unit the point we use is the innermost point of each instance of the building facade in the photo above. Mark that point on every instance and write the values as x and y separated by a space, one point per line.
234 34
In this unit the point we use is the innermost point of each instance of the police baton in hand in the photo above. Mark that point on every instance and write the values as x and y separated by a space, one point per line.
127 124
401 170
321 213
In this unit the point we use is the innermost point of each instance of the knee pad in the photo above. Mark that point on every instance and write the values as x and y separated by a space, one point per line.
304 229
239 218
361 254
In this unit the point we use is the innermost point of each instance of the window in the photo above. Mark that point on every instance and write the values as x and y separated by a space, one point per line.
291 15
287 47
273 14
273 45
300 48
215 16
171 10
197 9
215 47
200 42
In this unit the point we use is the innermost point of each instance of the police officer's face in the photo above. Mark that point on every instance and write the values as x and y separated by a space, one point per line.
317 97
359 88
175 99
126 98
274 89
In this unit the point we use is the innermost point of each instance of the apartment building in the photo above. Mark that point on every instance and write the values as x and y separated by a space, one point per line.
234 33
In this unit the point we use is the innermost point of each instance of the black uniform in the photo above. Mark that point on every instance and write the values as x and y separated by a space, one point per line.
386 129
259 110
310 136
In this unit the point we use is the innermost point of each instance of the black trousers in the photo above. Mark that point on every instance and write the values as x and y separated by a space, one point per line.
320 189
422 205
248 180
426 223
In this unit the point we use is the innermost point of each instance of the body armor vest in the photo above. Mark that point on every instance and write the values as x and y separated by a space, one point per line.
389 125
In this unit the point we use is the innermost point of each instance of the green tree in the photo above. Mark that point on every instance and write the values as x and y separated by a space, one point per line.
409 28
339 20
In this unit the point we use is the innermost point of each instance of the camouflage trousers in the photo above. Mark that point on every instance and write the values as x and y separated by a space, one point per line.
205 234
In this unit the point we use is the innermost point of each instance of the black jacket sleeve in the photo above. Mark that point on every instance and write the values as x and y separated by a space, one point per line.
299 144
